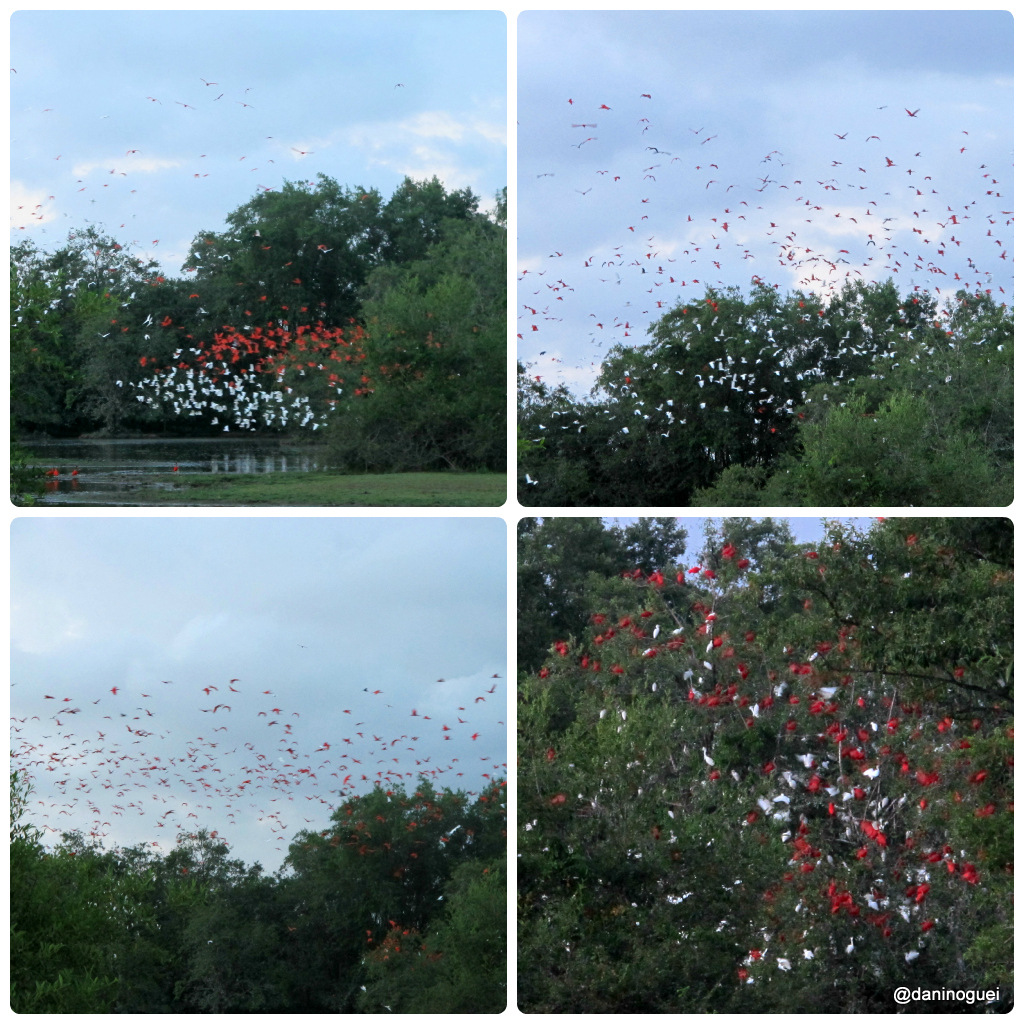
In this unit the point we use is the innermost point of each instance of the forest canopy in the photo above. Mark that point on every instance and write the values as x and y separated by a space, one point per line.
397 905
775 779
865 397
379 322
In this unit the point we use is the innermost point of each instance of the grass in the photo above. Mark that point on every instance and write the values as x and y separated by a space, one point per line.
330 489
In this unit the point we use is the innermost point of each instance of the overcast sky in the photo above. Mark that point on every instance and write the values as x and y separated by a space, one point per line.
663 152
154 125
320 612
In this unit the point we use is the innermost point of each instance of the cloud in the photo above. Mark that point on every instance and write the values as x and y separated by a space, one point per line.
129 163
435 124
30 206
196 633
386 141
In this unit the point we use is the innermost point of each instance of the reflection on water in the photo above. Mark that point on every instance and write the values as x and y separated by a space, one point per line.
122 471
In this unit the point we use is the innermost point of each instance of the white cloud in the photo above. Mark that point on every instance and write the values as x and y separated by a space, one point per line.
373 137
129 163
435 124
30 207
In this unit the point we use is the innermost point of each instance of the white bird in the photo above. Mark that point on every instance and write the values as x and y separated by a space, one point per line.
707 760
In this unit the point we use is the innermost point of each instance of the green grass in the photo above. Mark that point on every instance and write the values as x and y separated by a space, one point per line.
331 489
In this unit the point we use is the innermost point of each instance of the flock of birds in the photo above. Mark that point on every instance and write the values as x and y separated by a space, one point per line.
207 380
865 209
241 378
842 760
143 764
117 195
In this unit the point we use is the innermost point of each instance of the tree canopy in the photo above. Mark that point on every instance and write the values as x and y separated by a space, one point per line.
865 397
318 305
397 905
777 780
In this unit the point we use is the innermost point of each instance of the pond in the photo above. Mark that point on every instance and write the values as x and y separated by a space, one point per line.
128 471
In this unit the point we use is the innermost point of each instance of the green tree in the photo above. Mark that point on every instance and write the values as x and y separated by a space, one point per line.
71 333
63 929
931 425
460 967
435 358
777 784
304 252
27 479
556 560
863 397
381 867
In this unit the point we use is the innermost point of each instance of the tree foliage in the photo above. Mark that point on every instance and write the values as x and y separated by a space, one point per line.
779 780
559 563
196 931
435 358
861 398
317 303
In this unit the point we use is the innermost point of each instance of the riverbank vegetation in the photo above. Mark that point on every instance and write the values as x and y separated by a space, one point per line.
375 324
867 397
777 778
397 905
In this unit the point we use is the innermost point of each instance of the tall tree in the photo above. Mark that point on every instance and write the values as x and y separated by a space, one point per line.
728 803
63 926
435 347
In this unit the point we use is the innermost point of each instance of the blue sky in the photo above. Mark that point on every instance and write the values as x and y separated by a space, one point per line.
321 612
805 529
112 122
704 148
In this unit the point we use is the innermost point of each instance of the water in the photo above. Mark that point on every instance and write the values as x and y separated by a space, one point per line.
135 471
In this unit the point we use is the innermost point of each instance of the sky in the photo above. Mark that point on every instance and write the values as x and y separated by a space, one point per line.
660 153
154 125
309 633
805 529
